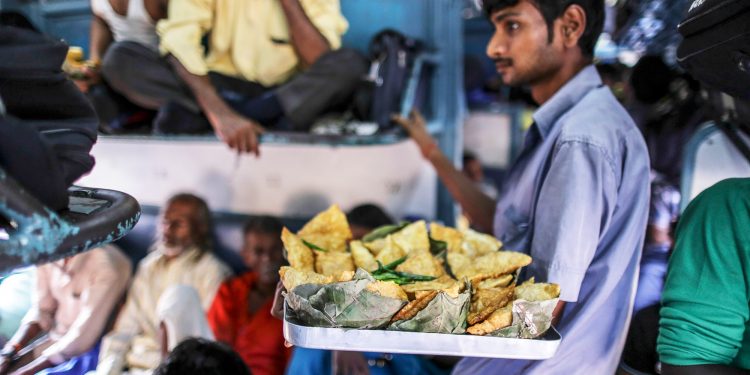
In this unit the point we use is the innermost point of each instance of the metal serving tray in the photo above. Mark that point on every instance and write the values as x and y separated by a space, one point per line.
383 341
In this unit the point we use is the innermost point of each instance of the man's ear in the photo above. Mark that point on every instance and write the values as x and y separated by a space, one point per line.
572 25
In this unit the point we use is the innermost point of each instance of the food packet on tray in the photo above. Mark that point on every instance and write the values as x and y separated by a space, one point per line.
362 302
531 313
436 311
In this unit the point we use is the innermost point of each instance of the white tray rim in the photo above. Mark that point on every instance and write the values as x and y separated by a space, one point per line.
384 341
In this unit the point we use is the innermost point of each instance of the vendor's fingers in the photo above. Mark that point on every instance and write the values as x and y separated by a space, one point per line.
277 308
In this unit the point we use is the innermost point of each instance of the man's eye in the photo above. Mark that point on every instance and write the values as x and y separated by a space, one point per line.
512 26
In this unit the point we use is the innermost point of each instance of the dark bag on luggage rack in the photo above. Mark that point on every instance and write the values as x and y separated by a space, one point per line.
716 45
395 60
48 127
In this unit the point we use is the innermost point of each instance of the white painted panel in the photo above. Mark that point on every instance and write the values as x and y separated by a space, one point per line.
717 159
290 180
488 135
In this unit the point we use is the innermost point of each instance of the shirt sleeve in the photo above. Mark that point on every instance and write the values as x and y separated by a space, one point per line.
116 344
213 272
220 315
705 299
106 287
43 309
575 202
182 31
327 18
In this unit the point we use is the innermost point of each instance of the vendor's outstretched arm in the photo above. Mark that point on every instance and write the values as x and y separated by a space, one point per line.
306 39
479 207
238 132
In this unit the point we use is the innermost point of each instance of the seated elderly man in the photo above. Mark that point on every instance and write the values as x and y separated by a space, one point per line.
75 298
267 63
183 255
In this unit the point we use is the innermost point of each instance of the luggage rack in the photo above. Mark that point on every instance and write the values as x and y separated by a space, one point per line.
35 234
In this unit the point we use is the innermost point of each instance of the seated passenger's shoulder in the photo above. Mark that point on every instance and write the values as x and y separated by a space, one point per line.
111 257
731 190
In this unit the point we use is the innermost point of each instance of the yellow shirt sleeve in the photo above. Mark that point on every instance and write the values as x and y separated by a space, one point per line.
182 31
327 18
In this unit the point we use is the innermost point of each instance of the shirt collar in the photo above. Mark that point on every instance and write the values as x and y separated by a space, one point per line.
566 97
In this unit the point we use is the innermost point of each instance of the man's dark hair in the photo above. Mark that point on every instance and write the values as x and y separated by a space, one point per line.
552 9
650 79
201 224
368 216
201 356
468 156
263 224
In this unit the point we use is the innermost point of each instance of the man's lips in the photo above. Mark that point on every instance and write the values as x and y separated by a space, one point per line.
502 65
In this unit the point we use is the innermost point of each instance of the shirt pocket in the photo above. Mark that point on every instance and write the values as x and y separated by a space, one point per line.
516 235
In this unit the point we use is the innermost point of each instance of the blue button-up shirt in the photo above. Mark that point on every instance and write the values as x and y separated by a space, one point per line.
576 200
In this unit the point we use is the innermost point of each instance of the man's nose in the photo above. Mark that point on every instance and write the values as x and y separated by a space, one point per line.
497 46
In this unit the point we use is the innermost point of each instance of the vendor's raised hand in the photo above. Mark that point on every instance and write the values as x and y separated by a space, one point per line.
238 132
416 126
349 363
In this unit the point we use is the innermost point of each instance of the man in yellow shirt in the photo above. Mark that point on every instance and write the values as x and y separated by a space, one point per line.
267 63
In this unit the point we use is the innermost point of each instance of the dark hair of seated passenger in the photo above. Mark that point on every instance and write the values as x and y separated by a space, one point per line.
263 224
202 357
368 216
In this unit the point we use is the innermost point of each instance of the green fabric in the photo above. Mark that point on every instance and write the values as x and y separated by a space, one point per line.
705 314
16 292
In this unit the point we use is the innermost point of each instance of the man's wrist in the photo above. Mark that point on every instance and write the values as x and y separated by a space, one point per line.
430 150
10 350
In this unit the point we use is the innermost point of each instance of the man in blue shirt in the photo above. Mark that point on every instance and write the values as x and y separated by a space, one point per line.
576 199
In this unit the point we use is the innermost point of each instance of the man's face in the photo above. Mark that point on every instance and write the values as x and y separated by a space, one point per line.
177 228
520 46
262 253
473 170
359 231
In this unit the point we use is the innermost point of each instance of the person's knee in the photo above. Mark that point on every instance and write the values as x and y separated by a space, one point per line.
123 65
345 63
116 61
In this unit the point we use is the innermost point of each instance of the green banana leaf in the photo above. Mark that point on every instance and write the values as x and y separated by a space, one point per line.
342 305
444 314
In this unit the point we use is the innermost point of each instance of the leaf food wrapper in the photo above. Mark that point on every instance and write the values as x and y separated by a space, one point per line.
444 314
342 305
530 319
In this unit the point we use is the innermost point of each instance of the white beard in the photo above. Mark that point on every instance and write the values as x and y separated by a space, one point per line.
172 251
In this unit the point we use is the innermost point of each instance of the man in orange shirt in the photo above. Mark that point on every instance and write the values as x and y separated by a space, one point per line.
241 312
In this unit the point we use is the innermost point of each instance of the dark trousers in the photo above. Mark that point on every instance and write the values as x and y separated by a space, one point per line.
148 80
